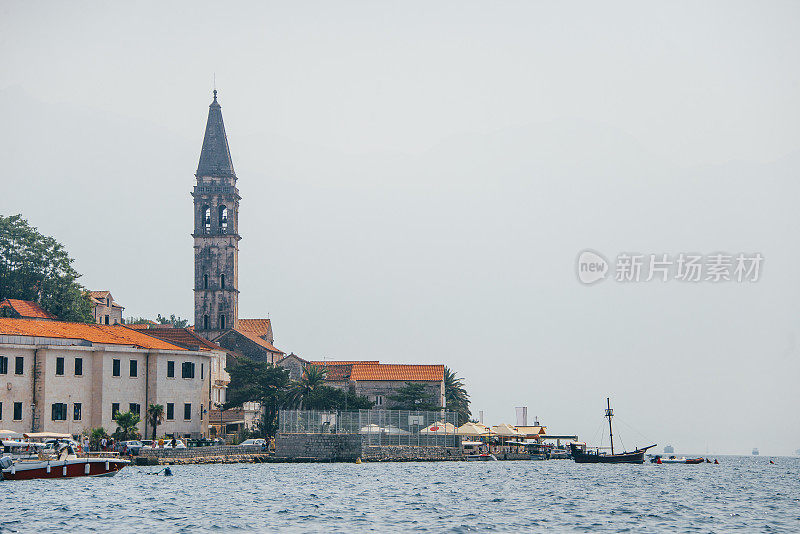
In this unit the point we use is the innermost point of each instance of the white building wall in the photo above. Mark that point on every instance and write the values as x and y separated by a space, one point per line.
96 389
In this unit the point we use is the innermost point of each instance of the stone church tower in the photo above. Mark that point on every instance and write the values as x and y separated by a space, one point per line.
216 233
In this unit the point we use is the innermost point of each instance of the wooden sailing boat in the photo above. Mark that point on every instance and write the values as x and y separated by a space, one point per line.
583 456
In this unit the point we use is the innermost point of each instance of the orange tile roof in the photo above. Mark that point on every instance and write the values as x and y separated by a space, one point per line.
183 337
94 333
400 372
343 362
26 308
255 339
336 372
259 327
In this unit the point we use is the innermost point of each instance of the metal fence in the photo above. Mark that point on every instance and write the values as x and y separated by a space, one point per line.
377 427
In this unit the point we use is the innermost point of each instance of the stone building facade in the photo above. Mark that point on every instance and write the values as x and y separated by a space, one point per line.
216 233
104 308
71 377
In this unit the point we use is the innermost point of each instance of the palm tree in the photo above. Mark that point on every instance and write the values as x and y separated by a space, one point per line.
155 416
302 390
126 421
456 396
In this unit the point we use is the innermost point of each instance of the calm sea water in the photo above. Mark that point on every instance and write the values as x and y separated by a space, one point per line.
741 495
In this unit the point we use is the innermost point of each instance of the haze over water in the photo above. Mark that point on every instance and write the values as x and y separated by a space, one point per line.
419 177
742 494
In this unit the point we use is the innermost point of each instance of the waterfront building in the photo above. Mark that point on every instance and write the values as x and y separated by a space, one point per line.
104 309
376 381
23 309
70 377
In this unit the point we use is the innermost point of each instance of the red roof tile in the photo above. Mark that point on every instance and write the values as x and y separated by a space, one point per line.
181 336
94 333
390 371
26 309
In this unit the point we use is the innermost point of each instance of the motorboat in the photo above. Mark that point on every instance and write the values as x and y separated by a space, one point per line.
476 451
65 465
657 459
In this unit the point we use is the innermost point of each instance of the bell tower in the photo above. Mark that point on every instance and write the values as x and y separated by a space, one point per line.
216 233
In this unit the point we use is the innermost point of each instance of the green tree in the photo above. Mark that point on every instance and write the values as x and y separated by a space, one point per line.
177 322
302 390
37 267
413 396
126 423
258 382
95 435
456 396
330 398
155 416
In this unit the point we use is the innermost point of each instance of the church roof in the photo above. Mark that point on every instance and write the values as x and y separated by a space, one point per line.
259 327
215 157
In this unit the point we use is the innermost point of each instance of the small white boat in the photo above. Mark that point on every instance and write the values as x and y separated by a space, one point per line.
476 451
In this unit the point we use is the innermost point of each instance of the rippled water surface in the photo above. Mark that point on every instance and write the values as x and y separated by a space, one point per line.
741 494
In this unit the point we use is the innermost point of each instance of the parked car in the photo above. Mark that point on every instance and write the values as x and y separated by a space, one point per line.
255 441
129 447
179 444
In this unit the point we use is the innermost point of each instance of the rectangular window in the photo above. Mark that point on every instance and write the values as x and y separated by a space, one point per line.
78 366
201 412
378 400
3 365
114 409
17 411
202 370
187 411
106 319
59 366
1 411
76 411
170 369
170 411
19 365
134 407
115 368
134 368
59 411
187 370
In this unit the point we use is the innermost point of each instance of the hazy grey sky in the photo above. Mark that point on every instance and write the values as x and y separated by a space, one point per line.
419 177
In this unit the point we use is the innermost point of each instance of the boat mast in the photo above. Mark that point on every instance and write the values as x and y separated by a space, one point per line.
610 414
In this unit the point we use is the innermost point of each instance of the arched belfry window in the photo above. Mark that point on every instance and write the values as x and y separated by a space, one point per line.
205 281
222 281
206 219
222 322
205 322
223 219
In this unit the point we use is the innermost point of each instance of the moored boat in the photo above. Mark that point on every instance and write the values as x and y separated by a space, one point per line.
673 460
582 455
65 465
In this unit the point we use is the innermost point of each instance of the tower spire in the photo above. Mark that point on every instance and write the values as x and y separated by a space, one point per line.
215 157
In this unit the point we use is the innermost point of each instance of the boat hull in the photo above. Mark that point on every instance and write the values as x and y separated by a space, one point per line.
82 467
582 457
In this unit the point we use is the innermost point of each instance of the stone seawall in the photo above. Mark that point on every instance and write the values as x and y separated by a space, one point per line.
318 447
410 453
197 452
